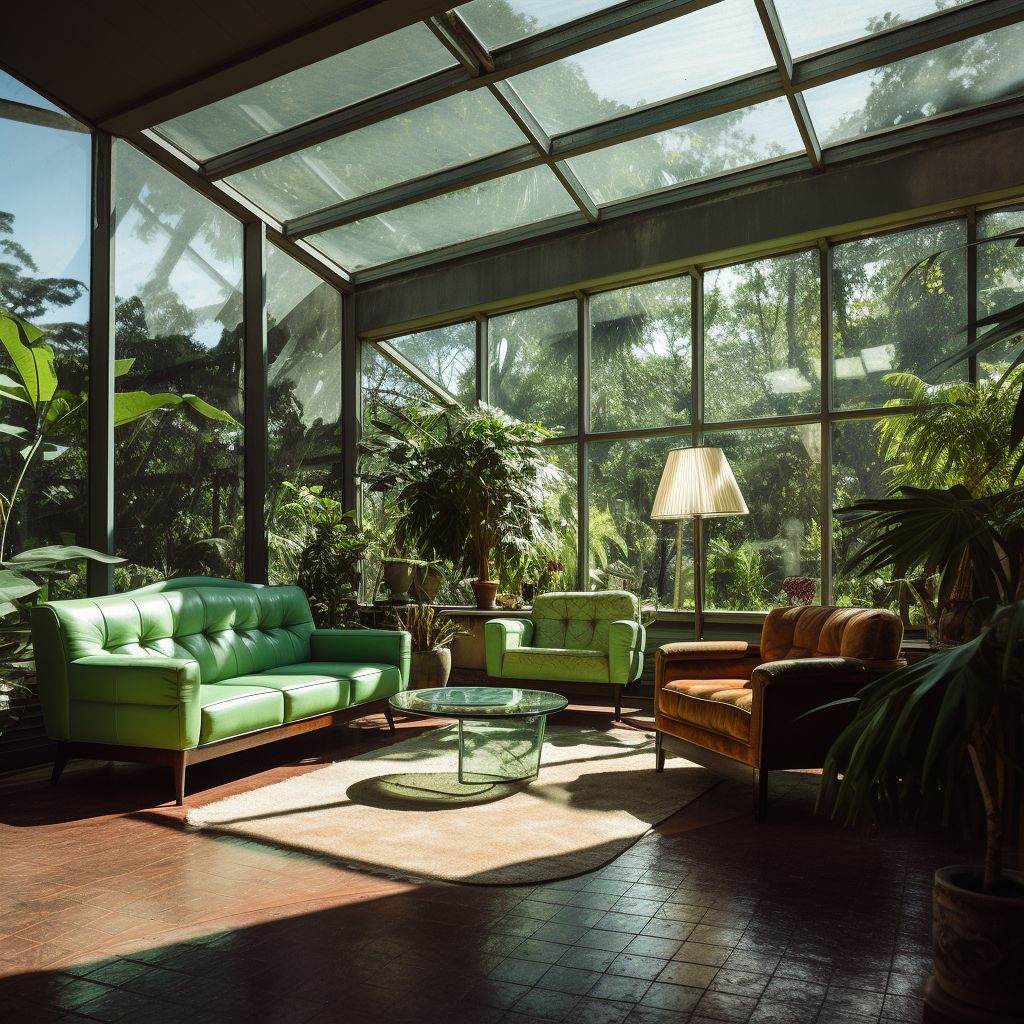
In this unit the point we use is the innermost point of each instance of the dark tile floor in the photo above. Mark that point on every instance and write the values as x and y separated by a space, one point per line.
111 910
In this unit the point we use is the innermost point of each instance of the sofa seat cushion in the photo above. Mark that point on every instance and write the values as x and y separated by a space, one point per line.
230 710
367 681
307 690
555 663
719 705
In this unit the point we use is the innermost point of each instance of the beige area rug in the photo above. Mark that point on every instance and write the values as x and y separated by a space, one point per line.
401 810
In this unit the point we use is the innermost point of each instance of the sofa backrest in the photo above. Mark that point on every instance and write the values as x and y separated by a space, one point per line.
229 631
579 621
871 634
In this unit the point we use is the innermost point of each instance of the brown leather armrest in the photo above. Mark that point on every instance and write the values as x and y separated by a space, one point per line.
810 672
732 649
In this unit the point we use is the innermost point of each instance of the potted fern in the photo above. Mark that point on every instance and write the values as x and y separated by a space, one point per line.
944 740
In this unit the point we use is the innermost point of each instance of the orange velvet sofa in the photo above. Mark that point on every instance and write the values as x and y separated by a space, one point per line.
736 707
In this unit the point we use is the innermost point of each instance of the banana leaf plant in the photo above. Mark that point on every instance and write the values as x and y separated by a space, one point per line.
472 483
940 740
935 531
1006 324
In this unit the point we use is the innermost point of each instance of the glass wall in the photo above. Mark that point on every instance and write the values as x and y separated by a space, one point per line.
303 400
761 351
179 391
44 276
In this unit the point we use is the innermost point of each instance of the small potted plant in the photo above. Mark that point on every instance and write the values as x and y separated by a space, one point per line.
944 739
432 635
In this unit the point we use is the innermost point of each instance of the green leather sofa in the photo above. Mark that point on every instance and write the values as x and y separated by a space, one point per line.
587 643
194 668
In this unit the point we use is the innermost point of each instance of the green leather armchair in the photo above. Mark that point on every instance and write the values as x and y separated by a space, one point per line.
574 642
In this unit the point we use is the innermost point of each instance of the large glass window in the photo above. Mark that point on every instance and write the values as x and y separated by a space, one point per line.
748 557
1000 283
44 274
533 365
179 403
883 327
627 548
762 339
304 399
641 356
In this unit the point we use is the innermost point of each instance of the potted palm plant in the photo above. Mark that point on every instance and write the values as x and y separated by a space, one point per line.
471 483
944 740
432 636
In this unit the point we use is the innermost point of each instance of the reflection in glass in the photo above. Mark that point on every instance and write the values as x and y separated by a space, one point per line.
807 31
712 45
762 338
778 470
304 399
706 148
499 22
964 74
497 205
347 77
880 329
1000 283
44 274
624 541
446 355
178 470
640 356
533 365
451 131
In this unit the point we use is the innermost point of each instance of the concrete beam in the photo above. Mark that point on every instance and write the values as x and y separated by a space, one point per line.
972 167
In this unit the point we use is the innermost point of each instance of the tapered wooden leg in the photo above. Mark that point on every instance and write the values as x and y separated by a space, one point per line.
389 714
60 760
659 753
179 777
760 796
618 702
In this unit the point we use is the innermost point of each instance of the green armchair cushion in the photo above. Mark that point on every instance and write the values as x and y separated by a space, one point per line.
585 637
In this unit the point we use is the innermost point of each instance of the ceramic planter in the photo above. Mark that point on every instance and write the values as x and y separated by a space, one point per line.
978 944
426 582
430 669
398 575
485 593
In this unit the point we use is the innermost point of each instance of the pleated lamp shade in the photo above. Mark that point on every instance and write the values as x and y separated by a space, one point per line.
698 482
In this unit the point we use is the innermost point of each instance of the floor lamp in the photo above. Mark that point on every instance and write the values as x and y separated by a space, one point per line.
696 483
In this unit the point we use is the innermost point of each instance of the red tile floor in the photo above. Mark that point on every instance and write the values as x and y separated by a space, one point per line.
110 909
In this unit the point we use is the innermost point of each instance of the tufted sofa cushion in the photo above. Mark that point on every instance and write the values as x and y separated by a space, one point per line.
229 632
580 622
870 634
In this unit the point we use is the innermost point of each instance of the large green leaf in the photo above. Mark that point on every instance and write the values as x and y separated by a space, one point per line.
32 357
13 587
130 406
122 366
55 554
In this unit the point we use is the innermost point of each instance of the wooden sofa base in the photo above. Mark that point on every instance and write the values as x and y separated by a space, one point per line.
566 689
179 760
718 763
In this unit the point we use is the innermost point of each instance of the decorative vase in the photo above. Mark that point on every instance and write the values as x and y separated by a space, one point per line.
430 669
426 582
485 593
978 945
398 575
800 590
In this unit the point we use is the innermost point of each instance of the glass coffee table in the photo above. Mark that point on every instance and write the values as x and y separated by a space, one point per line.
501 731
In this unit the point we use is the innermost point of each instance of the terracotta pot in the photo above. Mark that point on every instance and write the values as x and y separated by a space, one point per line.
978 945
397 578
430 669
485 593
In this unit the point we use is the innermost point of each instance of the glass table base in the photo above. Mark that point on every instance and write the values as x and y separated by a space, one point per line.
500 750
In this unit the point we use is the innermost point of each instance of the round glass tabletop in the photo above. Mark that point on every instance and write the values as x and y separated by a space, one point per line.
479 702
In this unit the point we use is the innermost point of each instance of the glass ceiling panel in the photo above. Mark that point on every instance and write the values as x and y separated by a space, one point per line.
12 89
698 50
766 131
499 22
497 205
808 32
444 134
330 84
963 74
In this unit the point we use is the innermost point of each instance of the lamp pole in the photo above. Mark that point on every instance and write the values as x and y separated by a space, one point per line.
698 579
